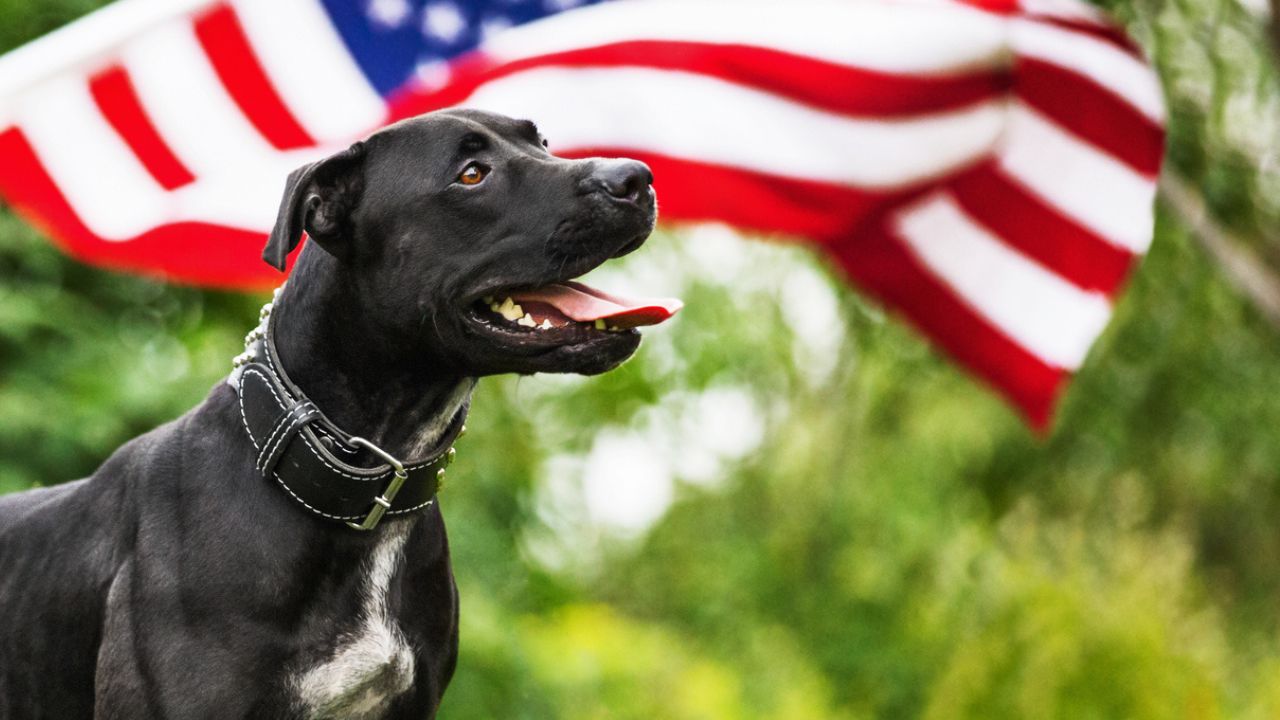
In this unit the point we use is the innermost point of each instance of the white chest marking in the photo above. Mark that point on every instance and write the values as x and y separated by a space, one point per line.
373 664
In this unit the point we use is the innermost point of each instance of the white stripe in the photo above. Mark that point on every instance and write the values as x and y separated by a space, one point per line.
110 190
907 37
1081 181
311 68
693 116
1037 309
1100 61
86 42
245 196
188 104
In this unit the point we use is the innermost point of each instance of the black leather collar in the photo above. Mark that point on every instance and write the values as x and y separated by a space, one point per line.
331 473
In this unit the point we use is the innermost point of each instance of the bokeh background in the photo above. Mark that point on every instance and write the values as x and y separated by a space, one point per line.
788 505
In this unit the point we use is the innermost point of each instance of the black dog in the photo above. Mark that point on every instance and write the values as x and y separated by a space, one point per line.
216 566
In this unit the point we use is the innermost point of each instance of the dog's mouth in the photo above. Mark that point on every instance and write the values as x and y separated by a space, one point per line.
569 312
531 321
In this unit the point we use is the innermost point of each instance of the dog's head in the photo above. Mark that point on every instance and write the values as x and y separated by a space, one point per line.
461 233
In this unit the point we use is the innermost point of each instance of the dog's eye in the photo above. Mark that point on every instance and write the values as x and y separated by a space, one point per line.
473 174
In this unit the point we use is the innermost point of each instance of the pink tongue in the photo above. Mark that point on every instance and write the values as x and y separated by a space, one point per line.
586 304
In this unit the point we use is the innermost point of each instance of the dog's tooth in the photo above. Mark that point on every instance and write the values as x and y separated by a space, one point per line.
546 324
599 324
510 310
527 321
614 328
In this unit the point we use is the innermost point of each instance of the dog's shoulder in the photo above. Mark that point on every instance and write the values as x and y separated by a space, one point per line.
206 436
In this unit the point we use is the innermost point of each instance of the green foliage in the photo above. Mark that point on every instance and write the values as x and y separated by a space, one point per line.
846 526
89 358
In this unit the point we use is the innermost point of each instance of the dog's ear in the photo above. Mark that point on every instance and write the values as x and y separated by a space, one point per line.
318 198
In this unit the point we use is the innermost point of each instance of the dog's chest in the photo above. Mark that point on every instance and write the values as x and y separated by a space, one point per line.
371 665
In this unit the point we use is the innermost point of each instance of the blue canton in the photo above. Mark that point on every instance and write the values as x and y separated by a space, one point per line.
391 40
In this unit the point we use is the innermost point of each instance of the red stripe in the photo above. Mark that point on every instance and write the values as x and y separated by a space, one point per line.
1092 113
196 253
828 86
998 7
237 66
880 264
1039 232
115 96
690 191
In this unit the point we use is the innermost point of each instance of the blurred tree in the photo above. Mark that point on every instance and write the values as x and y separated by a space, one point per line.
788 506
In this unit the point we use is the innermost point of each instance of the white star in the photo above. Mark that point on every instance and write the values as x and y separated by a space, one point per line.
492 25
432 74
389 13
443 20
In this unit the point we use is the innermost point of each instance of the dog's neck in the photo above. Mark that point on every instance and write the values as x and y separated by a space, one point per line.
358 373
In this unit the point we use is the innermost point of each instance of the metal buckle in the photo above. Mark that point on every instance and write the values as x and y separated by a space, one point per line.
382 503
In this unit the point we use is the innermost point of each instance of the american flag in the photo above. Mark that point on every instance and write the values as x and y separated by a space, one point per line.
986 168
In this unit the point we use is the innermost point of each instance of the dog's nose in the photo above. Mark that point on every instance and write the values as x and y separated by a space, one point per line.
626 180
